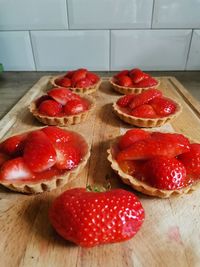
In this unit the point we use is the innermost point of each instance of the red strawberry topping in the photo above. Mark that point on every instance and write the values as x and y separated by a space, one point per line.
121 74
50 108
78 75
90 218
62 95
166 173
132 136
92 77
83 83
39 153
191 161
163 106
148 82
64 82
15 169
76 106
14 145
125 81
145 97
57 135
124 101
144 111
138 75
3 158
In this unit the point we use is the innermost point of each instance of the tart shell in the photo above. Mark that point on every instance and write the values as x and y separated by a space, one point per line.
146 122
130 90
144 187
80 90
65 120
48 185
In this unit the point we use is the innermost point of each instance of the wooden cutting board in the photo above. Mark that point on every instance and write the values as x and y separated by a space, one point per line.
170 235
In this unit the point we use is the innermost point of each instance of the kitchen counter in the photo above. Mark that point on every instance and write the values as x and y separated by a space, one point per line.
13 85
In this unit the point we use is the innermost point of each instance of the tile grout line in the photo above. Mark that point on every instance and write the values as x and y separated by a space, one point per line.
67 10
152 14
34 60
189 47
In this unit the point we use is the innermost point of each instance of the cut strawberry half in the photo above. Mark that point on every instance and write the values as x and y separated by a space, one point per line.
125 81
83 83
57 135
151 147
121 74
42 99
76 106
145 97
3 158
15 169
70 73
62 95
138 75
144 111
92 77
39 153
125 100
149 82
68 156
78 75
50 108
163 106
65 82
14 145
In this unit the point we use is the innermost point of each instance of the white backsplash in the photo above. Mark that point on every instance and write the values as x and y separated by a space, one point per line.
100 35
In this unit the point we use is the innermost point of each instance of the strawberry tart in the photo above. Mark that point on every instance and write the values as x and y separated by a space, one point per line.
62 107
78 81
133 81
147 109
155 163
42 159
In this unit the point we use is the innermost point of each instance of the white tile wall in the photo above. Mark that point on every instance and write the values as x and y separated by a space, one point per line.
194 55
150 49
112 14
176 14
33 14
16 51
63 50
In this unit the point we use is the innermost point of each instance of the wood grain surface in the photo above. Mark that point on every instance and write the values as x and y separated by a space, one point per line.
170 235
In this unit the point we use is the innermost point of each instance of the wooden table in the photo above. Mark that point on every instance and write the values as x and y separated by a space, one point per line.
170 235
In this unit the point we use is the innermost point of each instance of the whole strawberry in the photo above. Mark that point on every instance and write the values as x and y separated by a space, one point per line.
93 218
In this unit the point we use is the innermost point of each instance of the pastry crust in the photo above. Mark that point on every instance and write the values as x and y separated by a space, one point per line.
146 122
80 90
142 186
31 187
65 120
130 90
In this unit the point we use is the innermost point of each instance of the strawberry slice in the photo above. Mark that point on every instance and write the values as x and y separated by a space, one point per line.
57 135
121 74
42 99
15 169
145 97
125 81
76 106
125 100
50 108
14 145
92 77
69 73
78 75
62 95
151 147
68 156
148 82
132 136
144 111
138 75
83 83
39 153
163 106
65 82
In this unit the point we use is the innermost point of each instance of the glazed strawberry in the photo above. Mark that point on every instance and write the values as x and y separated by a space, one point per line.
42 99
83 83
121 74
166 173
65 82
144 111
68 156
78 75
75 106
145 97
163 106
151 147
92 77
14 145
57 135
3 158
15 169
132 136
62 95
149 82
90 218
39 153
125 81
191 161
125 100
50 108
69 74
137 75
